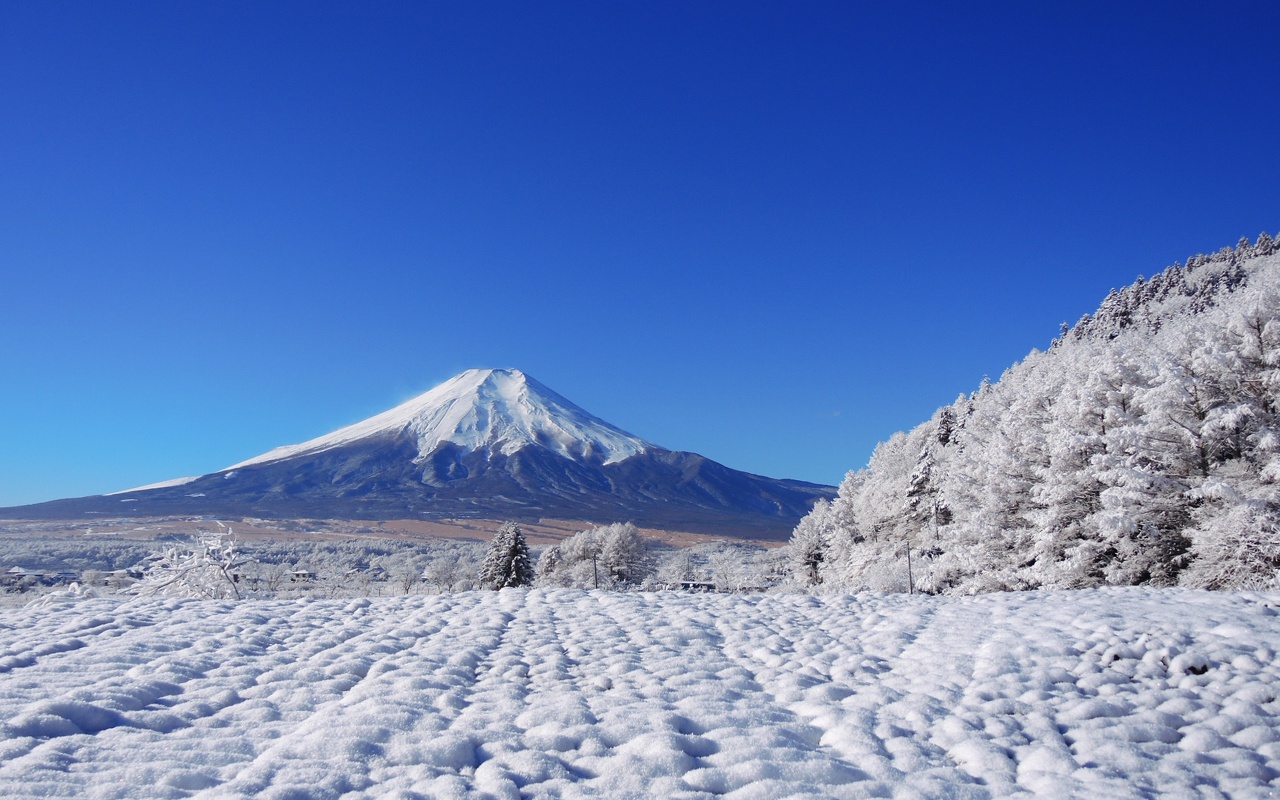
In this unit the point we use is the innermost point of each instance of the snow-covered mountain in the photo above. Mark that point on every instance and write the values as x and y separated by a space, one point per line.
485 444
495 411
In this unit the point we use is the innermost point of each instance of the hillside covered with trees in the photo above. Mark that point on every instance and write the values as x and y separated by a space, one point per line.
1143 447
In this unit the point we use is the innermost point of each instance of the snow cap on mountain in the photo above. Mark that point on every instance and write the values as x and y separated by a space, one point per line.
497 410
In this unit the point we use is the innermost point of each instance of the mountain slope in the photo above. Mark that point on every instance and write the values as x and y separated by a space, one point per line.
485 444
494 411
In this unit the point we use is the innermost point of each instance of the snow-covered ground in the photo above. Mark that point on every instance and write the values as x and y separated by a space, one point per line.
1106 693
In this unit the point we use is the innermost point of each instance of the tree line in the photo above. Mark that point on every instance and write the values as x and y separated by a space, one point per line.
217 565
1143 448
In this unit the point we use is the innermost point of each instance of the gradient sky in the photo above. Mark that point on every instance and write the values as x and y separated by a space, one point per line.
770 233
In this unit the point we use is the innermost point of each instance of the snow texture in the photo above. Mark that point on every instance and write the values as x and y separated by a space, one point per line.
1113 693
484 409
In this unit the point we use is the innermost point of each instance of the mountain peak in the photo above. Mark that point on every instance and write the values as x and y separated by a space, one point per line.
485 444
491 410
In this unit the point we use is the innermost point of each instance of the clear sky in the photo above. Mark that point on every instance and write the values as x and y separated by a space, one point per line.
770 233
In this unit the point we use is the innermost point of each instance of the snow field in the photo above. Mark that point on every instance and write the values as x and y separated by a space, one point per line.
563 693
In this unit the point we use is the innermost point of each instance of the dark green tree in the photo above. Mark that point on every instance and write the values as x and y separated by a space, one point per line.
507 563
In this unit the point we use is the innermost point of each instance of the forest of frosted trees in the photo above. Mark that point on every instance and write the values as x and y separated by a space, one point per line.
1142 448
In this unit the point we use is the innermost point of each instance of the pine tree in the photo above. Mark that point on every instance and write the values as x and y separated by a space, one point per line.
507 563
1266 245
947 424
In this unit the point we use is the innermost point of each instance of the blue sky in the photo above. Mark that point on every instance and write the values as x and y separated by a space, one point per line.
771 233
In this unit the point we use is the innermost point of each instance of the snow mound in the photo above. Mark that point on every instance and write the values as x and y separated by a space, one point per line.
564 693
496 410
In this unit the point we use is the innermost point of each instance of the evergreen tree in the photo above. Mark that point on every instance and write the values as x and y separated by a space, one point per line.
1265 246
947 424
507 563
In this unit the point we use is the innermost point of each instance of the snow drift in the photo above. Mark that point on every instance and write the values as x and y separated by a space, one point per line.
562 693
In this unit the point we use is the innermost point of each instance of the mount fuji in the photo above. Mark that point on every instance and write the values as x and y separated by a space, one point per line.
485 444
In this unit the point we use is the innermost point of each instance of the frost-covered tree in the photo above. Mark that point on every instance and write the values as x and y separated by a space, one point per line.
603 557
1142 448
549 564
453 566
626 555
809 545
507 563
675 568
206 569
408 573
1238 550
